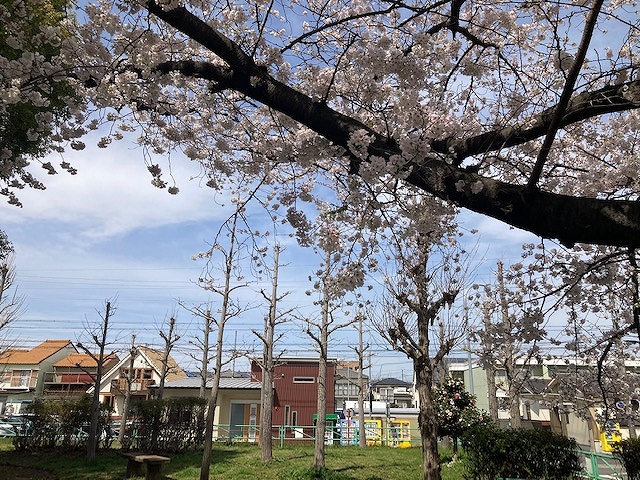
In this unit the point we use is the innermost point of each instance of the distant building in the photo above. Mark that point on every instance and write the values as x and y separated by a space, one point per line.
23 372
147 367
295 399
237 408
397 393
74 375
347 387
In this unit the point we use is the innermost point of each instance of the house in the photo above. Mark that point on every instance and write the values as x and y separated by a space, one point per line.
295 397
347 387
237 409
23 372
397 393
147 368
74 375
545 396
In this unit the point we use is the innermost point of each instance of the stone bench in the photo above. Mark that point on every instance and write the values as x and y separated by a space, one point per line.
153 463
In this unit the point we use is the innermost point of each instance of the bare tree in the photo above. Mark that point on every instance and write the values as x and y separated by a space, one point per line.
228 310
98 335
429 278
11 303
269 338
133 351
203 346
170 338
320 330
363 388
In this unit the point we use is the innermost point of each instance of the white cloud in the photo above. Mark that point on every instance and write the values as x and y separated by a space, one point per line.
112 194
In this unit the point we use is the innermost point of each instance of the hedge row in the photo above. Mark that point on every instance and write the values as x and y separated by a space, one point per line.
491 453
157 425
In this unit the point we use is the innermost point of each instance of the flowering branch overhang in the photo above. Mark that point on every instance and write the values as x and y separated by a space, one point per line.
569 219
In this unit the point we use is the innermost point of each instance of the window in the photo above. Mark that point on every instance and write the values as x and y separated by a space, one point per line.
304 380
294 418
287 415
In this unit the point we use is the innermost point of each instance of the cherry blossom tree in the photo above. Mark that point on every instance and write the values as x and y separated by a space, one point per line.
430 272
38 101
525 112
510 334
338 276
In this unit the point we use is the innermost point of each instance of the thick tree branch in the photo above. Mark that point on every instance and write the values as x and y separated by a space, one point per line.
566 94
566 218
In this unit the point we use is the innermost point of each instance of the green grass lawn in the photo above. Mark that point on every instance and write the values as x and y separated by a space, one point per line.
239 462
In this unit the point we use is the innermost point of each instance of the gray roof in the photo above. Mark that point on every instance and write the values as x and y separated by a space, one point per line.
390 382
226 383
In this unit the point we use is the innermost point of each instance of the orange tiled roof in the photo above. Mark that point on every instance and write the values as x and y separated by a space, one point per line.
34 356
83 360
155 356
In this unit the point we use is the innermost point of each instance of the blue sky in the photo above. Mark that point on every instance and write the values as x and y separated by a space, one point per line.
107 233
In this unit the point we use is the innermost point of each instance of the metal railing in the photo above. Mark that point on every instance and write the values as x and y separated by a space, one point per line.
18 381
602 466
137 385
68 378
334 435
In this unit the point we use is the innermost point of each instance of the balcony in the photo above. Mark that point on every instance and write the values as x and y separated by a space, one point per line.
138 385
20 382
79 378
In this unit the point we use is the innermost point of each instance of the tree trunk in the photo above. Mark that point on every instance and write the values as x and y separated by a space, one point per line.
321 422
427 423
208 436
266 415
127 396
92 440
491 391
514 409
266 389
204 369
362 442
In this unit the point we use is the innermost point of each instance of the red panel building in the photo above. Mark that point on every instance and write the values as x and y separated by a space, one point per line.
295 383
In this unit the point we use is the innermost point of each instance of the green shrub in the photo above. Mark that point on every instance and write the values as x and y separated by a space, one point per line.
629 453
61 424
170 425
491 453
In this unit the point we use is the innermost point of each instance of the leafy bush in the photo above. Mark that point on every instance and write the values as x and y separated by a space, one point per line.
491 453
456 410
629 453
170 425
61 424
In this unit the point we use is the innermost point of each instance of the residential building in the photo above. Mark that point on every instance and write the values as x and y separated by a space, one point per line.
347 387
23 372
543 405
237 408
295 399
397 393
74 375
147 368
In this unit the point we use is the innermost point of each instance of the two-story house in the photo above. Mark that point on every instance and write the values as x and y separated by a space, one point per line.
396 393
74 375
295 396
147 370
22 372
347 386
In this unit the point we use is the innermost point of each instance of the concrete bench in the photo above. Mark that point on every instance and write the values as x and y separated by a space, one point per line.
153 463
